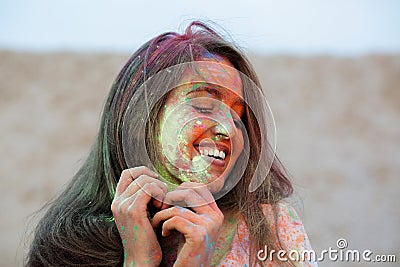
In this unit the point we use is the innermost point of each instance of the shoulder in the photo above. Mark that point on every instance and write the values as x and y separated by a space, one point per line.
285 221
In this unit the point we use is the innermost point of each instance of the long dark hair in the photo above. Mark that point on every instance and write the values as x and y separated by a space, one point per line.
78 228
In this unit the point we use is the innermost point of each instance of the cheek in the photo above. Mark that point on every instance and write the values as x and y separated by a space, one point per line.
193 129
179 130
238 145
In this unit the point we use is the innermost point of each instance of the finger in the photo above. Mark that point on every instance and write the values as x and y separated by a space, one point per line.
165 205
157 203
140 182
143 197
203 191
166 214
125 201
178 223
187 198
194 186
124 181
144 179
128 175
137 171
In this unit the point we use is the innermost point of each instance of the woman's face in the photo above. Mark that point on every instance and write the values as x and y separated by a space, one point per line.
200 132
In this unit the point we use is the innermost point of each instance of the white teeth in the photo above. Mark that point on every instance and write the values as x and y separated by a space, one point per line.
216 153
212 153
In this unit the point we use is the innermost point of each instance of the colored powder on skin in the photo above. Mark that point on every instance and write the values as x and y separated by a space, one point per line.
225 240
184 178
291 215
135 229
133 263
190 169
166 177
208 242
123 230
196 85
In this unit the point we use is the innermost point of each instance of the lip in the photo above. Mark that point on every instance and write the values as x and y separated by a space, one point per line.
220 147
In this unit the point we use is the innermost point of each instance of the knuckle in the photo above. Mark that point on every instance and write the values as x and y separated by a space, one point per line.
200 234
175 220
148 189
114 207
221 218
152 183
125 173
140 168
190 192
148 186
176 210
141 177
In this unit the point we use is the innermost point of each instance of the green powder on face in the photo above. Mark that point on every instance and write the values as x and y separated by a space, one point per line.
184 178
166 177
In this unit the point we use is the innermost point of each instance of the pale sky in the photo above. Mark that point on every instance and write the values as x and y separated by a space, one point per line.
339 27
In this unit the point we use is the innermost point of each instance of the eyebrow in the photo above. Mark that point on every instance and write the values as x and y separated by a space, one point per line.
212 89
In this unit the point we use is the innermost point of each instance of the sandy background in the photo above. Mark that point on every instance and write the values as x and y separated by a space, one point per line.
338 130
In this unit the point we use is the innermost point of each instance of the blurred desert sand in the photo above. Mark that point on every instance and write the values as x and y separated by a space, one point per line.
338 133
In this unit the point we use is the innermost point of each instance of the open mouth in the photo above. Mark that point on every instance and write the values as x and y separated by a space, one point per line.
214 151
210 152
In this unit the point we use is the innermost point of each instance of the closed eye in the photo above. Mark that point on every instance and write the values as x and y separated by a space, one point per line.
203 109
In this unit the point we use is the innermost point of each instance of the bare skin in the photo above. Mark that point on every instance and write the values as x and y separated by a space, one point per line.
136 188
200 224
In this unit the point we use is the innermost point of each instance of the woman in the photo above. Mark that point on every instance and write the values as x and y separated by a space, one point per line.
182 158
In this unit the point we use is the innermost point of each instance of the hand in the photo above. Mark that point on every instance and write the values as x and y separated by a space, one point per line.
135 189
200 224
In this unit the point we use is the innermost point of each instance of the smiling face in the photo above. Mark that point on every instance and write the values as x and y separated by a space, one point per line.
201 133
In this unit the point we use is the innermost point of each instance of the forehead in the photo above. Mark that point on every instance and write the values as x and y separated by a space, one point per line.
218 72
